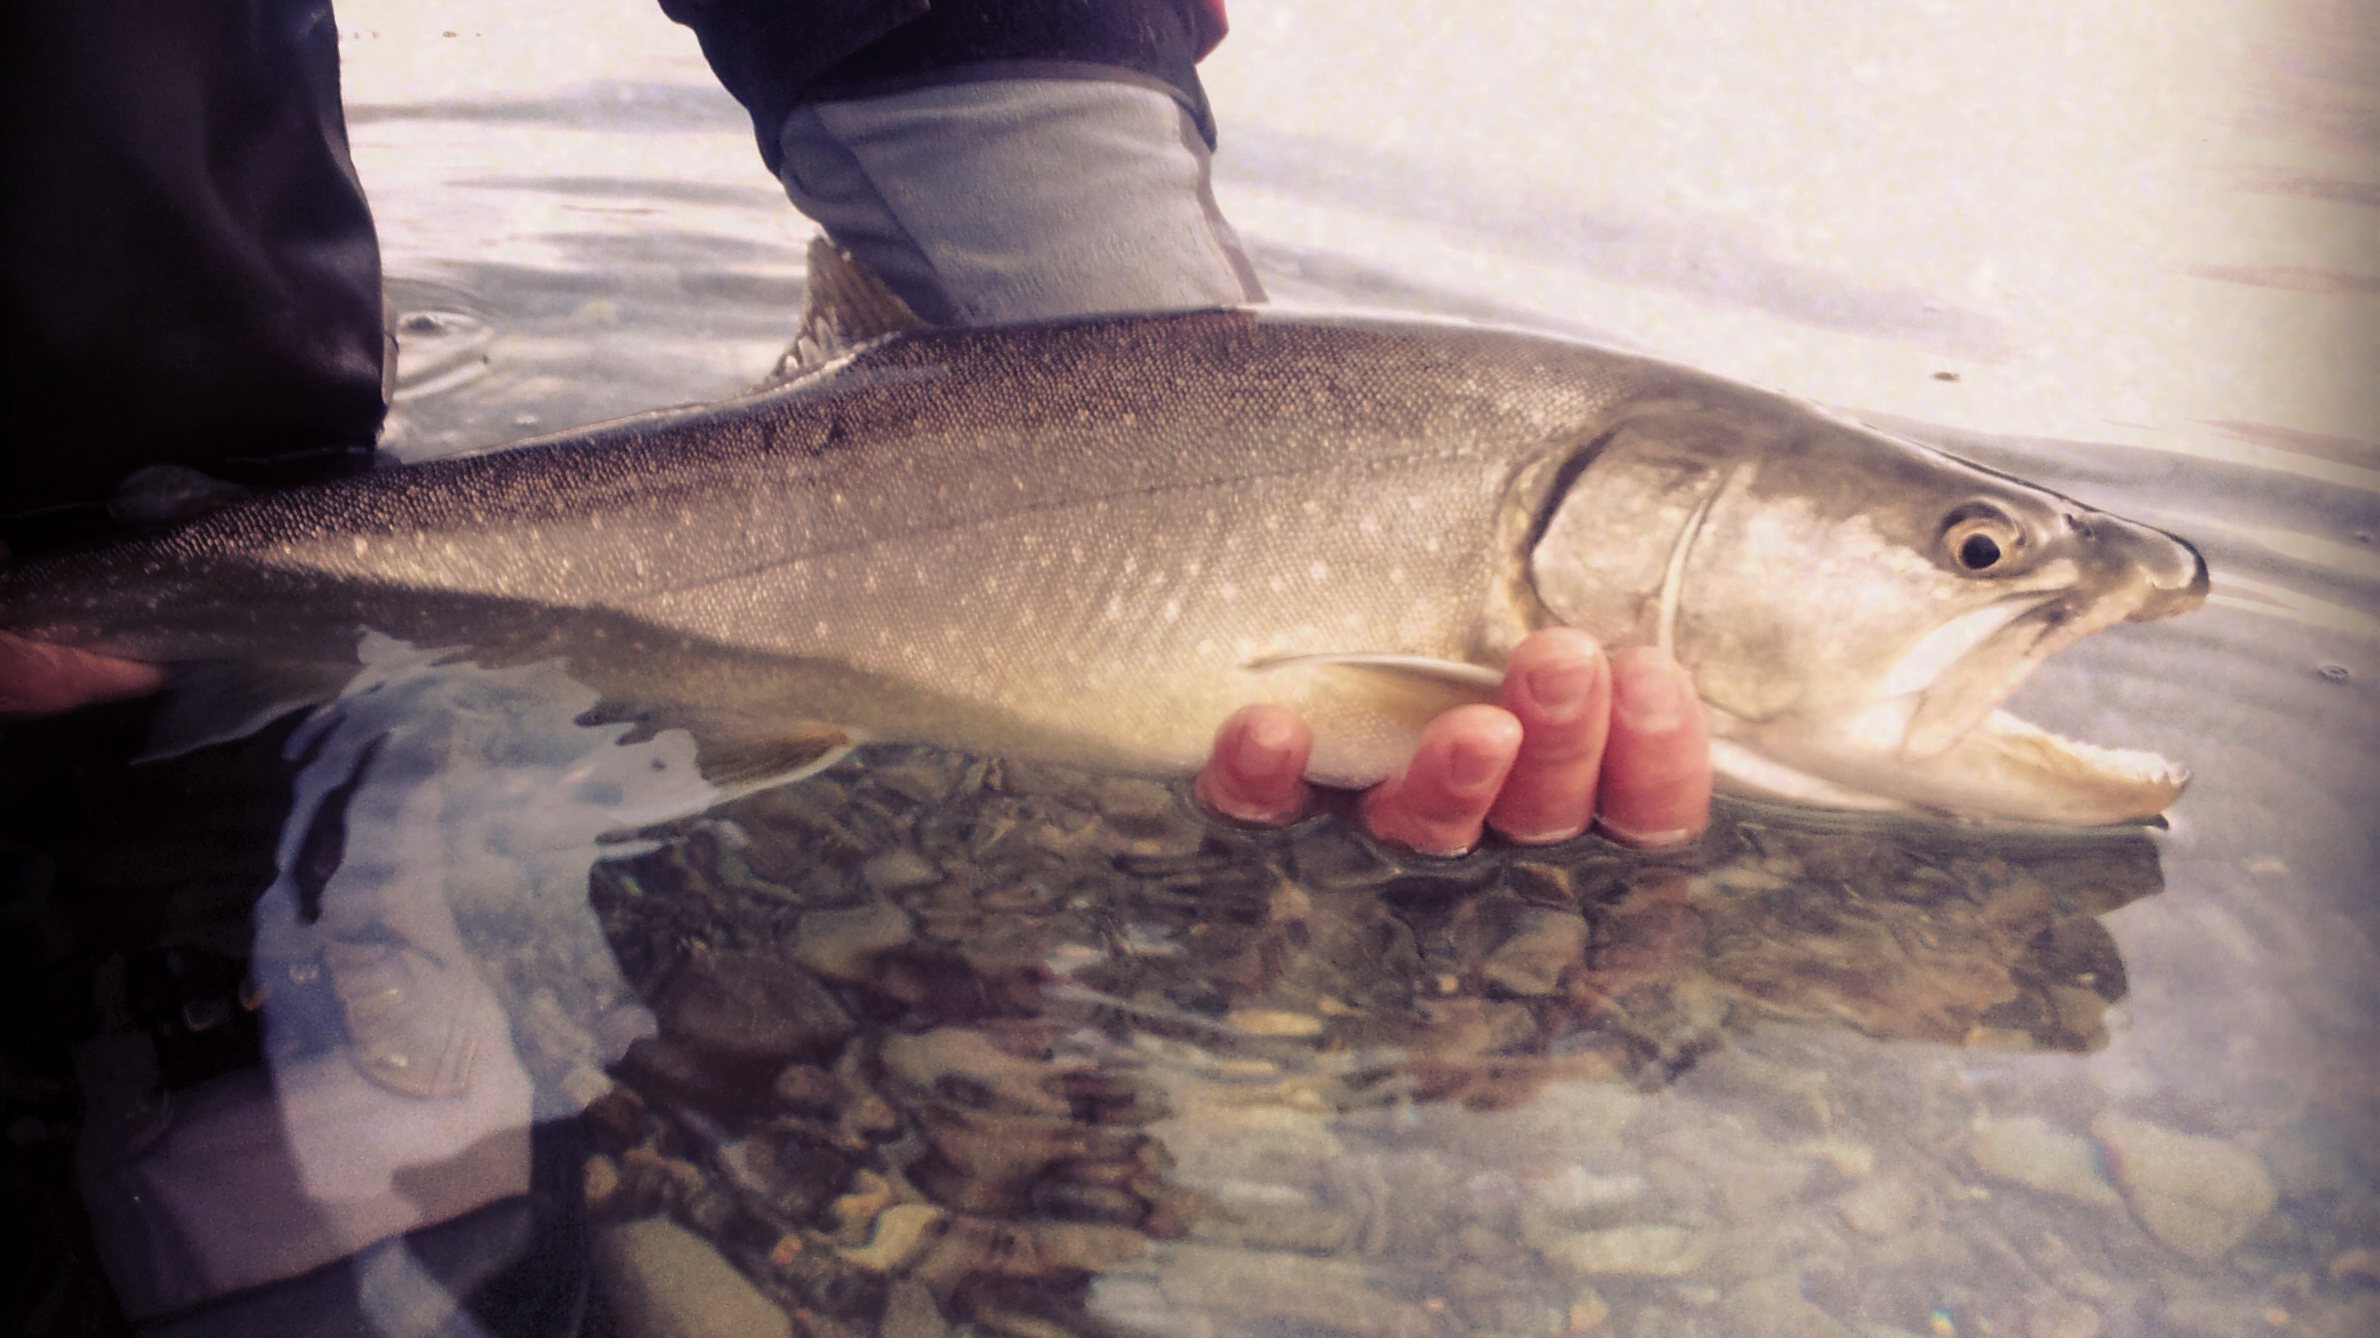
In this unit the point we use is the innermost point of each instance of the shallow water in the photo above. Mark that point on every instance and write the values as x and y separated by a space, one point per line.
935 1044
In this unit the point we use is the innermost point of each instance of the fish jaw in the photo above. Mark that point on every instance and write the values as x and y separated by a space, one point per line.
1934 737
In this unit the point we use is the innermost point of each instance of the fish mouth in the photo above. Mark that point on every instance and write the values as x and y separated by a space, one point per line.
1935 736
2004 644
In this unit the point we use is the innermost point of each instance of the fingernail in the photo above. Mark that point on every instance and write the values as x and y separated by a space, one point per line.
1560 689
1649 692
1676 836
1471 765
1264 750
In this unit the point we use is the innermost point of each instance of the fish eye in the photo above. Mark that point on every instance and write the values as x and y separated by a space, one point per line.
1981 539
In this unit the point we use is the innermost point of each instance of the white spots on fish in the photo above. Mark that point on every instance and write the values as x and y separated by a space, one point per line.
1369 525
818 629
1397 576
1318 571
1228 592
1172 612
1277 584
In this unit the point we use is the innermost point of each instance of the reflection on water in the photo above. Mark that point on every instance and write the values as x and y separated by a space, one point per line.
938 1041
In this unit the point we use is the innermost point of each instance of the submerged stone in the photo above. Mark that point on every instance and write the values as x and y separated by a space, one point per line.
2025 1150
1638 1251
663 1281
747 1006
2200 1196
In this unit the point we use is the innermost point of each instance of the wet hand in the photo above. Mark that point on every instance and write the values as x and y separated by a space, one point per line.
1577 738
37 678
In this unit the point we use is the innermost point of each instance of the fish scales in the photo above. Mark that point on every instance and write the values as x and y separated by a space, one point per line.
1093 539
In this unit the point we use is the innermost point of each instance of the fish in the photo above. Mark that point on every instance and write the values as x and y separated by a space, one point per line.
1091 540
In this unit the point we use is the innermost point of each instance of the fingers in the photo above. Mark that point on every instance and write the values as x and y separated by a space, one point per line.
1441 803
37 678
1256 771
1656 781
1558 686
1619 743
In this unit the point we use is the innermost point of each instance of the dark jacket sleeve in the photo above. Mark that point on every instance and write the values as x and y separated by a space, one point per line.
775 55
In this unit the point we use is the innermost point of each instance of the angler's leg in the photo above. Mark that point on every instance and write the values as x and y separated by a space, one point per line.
188 276
993 201
188 273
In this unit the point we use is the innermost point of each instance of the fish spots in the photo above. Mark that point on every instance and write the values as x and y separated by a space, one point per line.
1172 612
1228 592
1318 571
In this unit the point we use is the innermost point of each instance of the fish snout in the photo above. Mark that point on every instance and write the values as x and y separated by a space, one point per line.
2169 572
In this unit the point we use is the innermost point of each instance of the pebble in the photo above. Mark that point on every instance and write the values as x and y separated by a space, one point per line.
1631 1251
663 1281
840 944
929 1063
910 1312
750 1006
1275 1022
1543 943
2356 1265
601 1178
898 871
1881 1207
2026 1150
899 1233
1588 1314
2200 1196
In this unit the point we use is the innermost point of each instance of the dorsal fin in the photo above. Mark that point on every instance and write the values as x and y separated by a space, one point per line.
844 307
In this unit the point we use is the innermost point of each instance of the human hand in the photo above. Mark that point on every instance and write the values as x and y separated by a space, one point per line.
38 678
1577 739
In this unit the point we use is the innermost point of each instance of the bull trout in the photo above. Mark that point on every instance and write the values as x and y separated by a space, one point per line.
1092 540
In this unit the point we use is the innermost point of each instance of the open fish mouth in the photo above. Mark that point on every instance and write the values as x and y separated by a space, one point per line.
1938 732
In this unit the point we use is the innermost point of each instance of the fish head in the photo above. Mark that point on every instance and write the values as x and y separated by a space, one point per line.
1854 607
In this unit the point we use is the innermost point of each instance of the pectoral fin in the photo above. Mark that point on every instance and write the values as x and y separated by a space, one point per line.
1477 681
209 703
739 752
1407 689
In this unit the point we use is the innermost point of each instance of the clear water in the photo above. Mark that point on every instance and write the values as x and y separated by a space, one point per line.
935 1044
